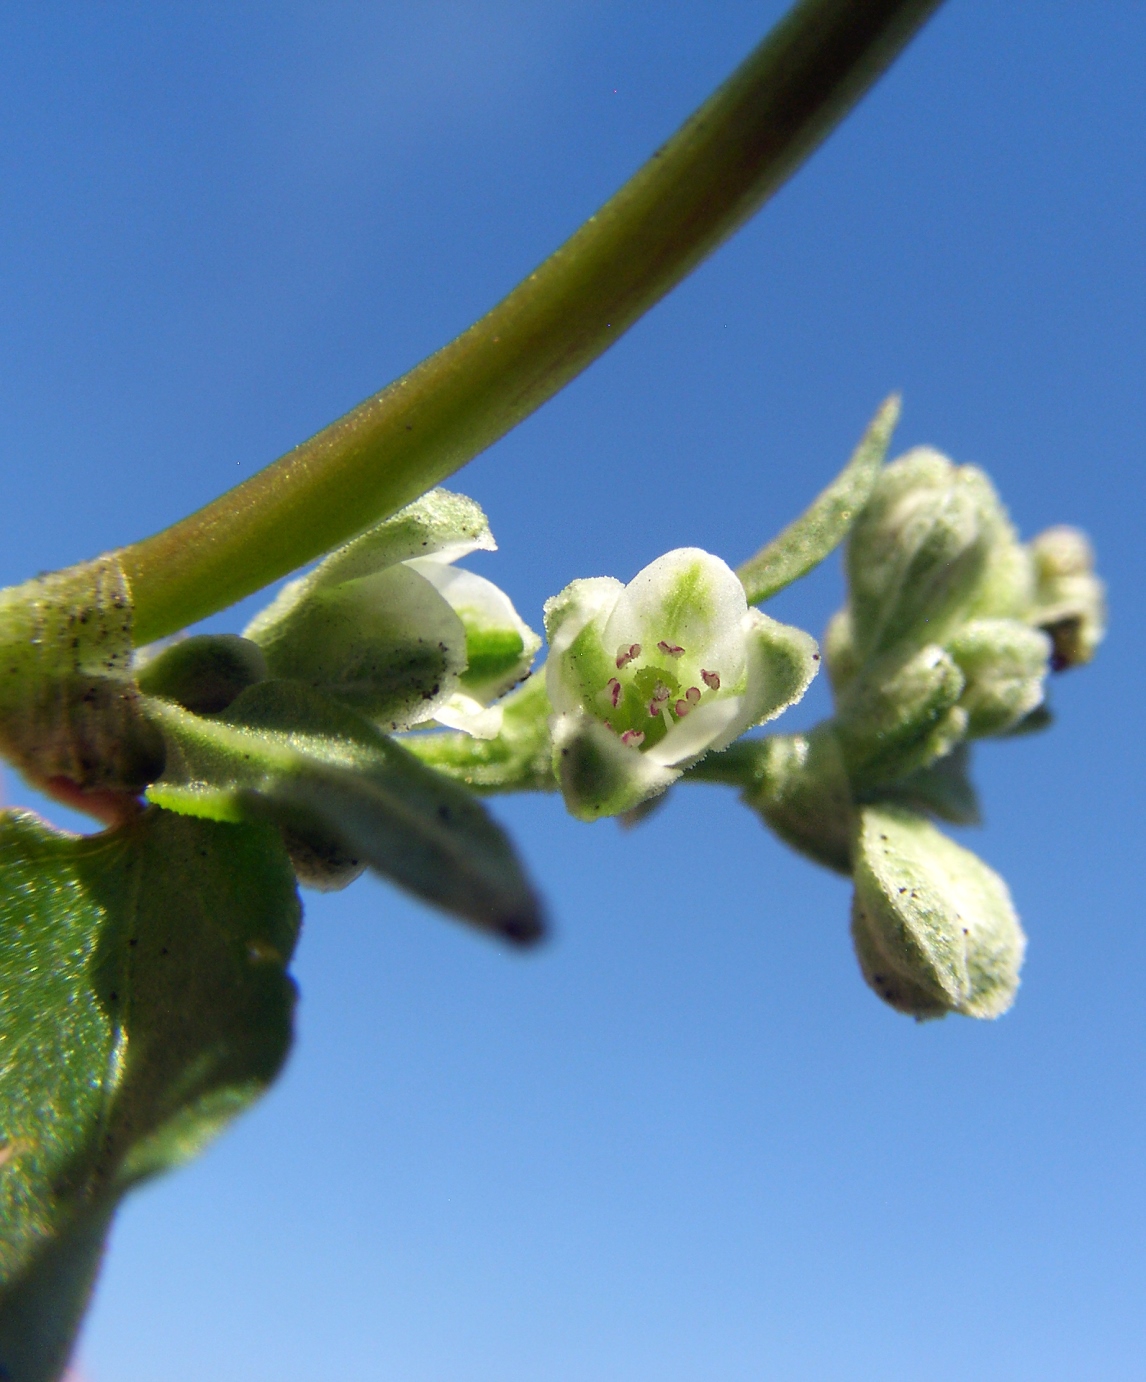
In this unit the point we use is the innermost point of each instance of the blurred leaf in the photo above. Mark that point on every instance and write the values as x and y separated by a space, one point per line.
285 753
821 528
144 1002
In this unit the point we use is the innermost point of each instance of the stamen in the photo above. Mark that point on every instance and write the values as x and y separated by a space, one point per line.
692 695
682 708
710 679
670 649
633 738
614 689
626 653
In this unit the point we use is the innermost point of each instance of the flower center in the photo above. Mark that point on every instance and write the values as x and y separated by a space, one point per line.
641 705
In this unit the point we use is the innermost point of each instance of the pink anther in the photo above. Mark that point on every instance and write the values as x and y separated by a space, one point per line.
626 654
710 679
614 690
682 708
692 695
670 649
633 738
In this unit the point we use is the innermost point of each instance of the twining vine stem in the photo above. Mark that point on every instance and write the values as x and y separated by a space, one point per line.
715 172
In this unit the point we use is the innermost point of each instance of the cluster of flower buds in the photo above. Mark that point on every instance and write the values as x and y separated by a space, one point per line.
950 628
645 679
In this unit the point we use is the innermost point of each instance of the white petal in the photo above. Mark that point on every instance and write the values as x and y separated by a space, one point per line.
709 724
688 598
470 716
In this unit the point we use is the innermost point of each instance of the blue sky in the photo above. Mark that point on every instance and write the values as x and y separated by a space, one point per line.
683 1141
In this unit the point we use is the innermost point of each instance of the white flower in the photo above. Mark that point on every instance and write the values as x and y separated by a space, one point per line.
646 678
388 624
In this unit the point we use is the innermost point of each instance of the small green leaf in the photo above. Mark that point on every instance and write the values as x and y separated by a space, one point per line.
144 1002
821 528
332 780
935 930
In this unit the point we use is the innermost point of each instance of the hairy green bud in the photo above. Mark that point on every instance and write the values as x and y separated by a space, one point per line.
934 928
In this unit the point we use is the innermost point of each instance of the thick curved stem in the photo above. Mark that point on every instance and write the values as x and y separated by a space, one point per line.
690 196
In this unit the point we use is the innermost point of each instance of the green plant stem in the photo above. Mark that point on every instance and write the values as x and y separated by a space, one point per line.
736 150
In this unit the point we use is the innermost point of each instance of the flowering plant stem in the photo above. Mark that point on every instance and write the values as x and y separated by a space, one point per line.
723 163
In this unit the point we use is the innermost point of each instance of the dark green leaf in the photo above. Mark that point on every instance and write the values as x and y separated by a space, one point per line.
328 777
144 1002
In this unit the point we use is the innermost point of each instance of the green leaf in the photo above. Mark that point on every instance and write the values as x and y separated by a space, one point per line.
145 1002
284 753
821 528
935 930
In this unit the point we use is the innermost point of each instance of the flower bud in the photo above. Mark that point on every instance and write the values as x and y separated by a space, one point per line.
1070 602
1004 664
919 557
645 679
934 928
899 716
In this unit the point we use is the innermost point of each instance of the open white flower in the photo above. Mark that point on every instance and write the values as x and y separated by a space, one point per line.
388 624
647 678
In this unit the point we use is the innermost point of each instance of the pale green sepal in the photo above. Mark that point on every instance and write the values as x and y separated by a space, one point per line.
144 1000
1004 665
1070 600
821 528
347 794
899 716
203 673
600 776
934 928
918 556
519 758
441 524
68 706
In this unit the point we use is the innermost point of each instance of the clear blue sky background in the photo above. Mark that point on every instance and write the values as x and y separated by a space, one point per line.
684 1141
